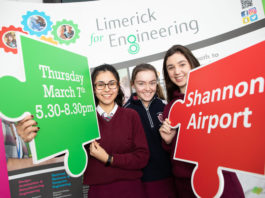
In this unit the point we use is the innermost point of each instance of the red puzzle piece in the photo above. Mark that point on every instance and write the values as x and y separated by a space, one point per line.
222 124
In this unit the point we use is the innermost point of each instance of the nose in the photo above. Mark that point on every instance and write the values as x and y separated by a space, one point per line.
147 86
177 70
106 88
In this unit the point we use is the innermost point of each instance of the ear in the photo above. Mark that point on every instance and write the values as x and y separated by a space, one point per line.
132 85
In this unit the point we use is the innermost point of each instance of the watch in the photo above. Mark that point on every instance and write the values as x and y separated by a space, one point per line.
108 163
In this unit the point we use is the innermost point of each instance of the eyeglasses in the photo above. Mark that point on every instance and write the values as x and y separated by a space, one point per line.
102 85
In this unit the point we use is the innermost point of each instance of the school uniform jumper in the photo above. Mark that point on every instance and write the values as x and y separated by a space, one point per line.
122 137
157 175
183 171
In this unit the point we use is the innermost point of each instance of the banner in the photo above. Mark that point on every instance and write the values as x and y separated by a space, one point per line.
118 32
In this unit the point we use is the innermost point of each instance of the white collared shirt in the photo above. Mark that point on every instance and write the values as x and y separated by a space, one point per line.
102 112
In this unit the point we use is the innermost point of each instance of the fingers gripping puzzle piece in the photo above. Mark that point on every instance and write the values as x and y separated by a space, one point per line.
221 120
58 92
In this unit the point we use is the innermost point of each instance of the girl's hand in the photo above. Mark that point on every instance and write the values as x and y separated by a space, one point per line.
27 129
166 132
98 152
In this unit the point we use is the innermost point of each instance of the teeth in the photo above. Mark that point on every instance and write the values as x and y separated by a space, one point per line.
179 77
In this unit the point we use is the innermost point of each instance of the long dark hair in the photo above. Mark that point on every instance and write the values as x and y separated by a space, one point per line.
170 86
148 67
105 67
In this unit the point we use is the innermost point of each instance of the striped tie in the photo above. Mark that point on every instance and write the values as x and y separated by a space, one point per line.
107 117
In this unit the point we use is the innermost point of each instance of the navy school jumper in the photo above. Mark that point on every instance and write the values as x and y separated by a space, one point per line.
159 165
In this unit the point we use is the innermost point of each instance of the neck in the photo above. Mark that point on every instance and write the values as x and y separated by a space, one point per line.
183 90
146 104
107 108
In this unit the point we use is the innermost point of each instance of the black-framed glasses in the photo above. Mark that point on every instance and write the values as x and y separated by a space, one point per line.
101 85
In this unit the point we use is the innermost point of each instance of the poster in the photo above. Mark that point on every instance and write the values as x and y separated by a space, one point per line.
131 33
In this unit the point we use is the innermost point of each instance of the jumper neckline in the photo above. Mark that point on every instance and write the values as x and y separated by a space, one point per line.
113 118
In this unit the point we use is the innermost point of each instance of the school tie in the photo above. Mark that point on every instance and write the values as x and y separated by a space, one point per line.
107 117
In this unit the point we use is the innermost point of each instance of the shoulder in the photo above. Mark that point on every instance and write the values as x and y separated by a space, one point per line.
127 111
167 108
171 102
128 104
161 102
158 104
164 102
133 104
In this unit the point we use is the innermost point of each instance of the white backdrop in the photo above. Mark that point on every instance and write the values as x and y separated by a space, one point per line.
212 30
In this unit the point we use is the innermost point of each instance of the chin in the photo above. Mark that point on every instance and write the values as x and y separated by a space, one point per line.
147 99
181 84
108 103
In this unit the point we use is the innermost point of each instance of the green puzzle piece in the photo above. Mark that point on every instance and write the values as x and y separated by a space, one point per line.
58 92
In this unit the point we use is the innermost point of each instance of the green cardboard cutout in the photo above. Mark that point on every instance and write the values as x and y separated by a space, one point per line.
58 92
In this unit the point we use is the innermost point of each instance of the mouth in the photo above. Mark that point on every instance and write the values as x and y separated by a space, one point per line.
147 94
106 96
179 78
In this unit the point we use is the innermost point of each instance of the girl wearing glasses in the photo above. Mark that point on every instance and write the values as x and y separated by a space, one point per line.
178 62
157 176
115 161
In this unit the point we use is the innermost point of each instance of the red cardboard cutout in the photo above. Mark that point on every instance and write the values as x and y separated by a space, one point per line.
221 119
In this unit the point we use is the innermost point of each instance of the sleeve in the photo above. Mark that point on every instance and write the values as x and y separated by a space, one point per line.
165 146
138 158
166 111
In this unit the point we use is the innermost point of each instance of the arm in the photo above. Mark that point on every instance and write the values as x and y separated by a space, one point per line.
98 152
27 131
136 159
15 163
166 132
139 156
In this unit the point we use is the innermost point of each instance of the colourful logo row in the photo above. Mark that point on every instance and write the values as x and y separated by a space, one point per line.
39 24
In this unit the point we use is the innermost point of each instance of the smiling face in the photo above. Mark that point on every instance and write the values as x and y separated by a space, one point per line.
178 68
107 95
145 85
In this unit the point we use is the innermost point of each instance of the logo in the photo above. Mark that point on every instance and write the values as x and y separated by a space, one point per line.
134 47
160 116
39 24
244 13
8 39
249 15
252 11
253 17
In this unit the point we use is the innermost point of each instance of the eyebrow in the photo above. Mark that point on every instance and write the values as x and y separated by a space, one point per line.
145 81
182 61
169 65
100 81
